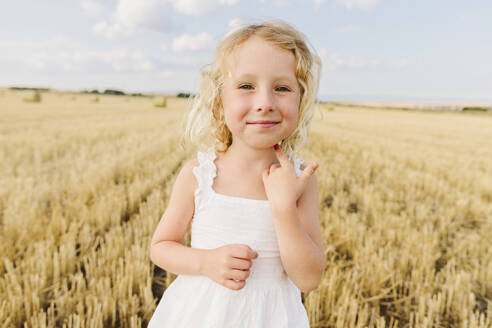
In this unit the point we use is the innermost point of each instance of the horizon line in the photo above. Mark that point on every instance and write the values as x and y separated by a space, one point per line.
321 97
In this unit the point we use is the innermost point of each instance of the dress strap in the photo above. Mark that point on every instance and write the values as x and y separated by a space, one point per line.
206 171
205 174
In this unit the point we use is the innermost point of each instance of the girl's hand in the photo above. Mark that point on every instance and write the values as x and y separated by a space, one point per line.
282 186
229 265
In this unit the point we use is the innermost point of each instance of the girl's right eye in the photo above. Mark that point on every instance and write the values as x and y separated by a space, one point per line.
245 85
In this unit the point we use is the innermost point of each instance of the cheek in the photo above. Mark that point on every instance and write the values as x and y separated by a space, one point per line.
292 111
232 116
235 109
294 119
227 107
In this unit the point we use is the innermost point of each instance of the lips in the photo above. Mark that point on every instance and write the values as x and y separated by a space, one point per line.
263 122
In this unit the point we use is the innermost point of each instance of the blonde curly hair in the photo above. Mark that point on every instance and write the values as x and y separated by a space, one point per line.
206 114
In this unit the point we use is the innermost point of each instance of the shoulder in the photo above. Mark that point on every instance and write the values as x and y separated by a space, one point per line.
190 164
185 182
180 208
189 168
186 175
311 187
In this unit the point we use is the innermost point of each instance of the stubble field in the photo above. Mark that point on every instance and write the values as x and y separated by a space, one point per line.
405 209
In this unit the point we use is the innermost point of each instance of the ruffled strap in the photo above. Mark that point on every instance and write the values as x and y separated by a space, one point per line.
207 171
205 174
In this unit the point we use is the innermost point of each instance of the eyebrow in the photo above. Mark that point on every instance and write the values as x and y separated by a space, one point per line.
276 78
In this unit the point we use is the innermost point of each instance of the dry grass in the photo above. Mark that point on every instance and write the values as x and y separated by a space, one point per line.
406 212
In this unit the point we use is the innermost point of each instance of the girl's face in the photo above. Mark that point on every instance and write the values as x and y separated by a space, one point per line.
260 87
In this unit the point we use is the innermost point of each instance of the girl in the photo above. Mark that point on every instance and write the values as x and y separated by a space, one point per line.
255 238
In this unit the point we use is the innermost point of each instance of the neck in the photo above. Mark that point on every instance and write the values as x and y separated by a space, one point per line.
245 157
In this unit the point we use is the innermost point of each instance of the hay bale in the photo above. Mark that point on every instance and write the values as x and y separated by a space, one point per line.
36 98
161 104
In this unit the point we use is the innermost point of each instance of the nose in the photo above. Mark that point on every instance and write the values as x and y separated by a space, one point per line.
264 100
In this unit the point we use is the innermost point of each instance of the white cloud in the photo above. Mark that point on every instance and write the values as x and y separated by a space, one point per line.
113 30
131 15
118 59
60 55
148 13
337 61
199 7
92 8
186 42
361 4
59 41
183 61
38 55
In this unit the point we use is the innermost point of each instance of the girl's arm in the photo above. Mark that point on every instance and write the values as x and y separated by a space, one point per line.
174 257
166 247
300 239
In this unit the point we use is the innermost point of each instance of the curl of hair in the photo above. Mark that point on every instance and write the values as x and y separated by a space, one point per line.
205 125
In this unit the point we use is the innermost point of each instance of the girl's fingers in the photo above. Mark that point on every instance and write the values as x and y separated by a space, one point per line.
233 284
308 171
239 264
282 158
240 274
303 179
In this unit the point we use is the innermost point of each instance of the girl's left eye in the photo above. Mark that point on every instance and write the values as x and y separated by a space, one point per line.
249 87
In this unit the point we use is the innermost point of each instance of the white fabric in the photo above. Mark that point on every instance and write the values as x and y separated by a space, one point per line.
268 300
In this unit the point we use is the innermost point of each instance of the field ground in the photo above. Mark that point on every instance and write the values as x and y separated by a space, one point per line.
405 210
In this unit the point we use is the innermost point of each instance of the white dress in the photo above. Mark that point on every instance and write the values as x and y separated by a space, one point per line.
269 298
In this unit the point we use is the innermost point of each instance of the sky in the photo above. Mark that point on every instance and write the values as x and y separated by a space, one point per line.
372 50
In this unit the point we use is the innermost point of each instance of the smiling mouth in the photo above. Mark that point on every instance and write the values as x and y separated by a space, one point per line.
264 124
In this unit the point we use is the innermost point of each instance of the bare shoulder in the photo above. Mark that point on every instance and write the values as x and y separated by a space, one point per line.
180 206
187 171
191 163
185 182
